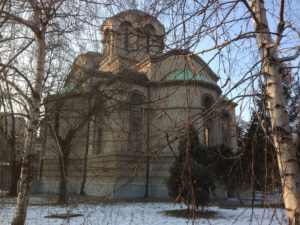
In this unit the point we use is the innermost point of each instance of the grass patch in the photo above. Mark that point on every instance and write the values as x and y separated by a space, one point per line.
184 213
63 216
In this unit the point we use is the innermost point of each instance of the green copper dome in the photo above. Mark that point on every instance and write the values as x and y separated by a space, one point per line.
185 75
67 88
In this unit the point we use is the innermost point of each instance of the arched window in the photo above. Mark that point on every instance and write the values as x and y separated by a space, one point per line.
106 43
207 101
226 128
125 34
206 138
96 126
161 44
149 31
135 122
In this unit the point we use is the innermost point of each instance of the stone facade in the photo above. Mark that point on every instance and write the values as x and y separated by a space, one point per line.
132 103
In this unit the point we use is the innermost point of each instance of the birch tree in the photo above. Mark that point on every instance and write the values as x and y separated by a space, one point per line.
43 27
37 25
272 67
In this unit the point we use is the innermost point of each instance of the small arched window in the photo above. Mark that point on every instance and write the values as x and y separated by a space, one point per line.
225 117
206 132
135 122
106 42
207 101
226 128
96 124
161 44
149 31
125 33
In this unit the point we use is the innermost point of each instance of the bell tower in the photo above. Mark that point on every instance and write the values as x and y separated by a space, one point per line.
130 37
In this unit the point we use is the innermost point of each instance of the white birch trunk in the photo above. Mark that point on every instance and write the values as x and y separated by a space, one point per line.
282 135
30 134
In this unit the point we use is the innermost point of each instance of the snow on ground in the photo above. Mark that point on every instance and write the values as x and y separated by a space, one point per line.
141 214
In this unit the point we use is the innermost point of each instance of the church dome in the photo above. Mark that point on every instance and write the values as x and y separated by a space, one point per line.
132 34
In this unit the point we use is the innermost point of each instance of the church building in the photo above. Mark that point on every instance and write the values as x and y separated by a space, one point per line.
113 129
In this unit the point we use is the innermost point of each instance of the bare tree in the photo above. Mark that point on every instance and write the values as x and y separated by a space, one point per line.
227 27
272 67
41 26
65 125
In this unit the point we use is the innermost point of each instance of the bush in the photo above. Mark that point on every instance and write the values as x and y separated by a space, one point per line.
224 165
190 179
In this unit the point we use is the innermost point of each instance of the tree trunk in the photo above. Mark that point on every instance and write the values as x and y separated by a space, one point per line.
63 175
282 135
15 174
30 133
82 186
